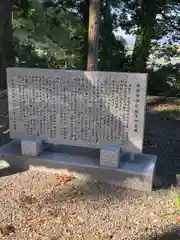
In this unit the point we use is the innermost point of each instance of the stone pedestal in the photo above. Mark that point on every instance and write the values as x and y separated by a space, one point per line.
31 147
137 174
110 156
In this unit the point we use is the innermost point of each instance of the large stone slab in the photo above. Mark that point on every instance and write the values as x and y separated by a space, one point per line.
90 109
85 165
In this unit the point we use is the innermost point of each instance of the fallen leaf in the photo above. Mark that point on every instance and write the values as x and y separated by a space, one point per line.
6 229
25 199
53 213
61 179
177 218
54 238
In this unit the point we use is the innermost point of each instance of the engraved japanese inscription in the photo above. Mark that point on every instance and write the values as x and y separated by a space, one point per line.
77 108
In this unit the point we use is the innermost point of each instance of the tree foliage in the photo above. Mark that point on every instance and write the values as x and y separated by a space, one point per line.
51 31
6 49
54 34
58 31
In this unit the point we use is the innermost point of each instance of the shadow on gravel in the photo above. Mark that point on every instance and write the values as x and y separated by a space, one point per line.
172 234
10 171
162 138
100 194
7 171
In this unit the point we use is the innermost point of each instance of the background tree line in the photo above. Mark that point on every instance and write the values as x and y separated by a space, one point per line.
54 34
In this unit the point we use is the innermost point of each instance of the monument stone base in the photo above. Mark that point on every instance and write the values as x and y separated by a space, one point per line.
137 174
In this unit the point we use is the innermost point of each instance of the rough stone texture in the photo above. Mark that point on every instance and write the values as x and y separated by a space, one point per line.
78 108
110 156
31 147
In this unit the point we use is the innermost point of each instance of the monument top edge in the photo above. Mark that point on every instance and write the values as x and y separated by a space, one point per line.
73 70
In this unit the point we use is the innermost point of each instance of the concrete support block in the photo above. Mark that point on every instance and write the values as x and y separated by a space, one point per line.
32 147
110 156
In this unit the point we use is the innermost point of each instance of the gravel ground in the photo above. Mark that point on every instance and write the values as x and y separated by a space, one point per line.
42 206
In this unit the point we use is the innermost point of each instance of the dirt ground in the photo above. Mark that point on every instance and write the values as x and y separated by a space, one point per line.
39 206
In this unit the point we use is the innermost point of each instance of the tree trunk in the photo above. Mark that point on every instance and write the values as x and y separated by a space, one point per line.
149 10
84 10
93 35
6 49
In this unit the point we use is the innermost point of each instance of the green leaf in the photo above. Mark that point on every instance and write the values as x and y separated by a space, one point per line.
178 202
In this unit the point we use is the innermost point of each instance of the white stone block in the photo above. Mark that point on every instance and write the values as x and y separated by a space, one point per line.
110 156
31 147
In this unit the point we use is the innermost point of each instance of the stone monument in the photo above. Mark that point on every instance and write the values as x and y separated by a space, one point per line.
100 112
